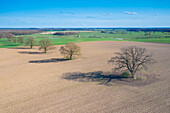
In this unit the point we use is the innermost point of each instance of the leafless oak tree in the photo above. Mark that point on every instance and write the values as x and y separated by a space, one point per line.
70 50
46 45
132 59
21 40
31 42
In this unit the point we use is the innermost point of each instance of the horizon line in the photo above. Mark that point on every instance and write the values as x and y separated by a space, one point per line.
83 27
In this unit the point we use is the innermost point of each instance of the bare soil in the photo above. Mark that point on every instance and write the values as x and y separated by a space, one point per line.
33 82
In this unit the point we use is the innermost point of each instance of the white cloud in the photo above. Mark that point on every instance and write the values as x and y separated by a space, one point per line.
67 13
28 22
130 13
107 14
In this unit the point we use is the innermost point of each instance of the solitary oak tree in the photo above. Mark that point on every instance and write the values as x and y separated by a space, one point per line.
132 59
31 42
70 50
20 40
46 45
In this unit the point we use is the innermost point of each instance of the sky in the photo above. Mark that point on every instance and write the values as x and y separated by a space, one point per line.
84 13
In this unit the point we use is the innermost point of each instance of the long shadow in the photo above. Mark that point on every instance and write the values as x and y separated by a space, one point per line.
28 52
12 45
97 76
107 78
48 60
20 48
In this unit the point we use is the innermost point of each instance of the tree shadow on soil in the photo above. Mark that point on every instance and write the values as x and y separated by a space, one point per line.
48 60
107 78
20 48
97 76
28 52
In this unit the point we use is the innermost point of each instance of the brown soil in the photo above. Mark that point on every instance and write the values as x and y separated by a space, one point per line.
32 82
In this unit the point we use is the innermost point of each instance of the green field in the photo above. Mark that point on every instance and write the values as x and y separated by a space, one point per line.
5 44
93 36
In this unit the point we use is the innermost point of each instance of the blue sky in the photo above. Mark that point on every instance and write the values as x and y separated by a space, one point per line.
84 13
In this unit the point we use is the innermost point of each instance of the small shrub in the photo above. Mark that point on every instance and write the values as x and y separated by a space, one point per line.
125 75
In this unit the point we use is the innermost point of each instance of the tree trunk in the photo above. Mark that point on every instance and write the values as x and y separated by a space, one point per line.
45 49
71 56
132 74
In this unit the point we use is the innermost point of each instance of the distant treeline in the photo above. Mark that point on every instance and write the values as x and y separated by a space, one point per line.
26 31
65 33
52 29
67 29
149 29
96 29
152 37
19 32
109 29
5 35
146 37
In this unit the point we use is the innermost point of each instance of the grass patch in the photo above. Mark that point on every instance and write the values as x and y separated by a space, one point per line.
162 40
158 37
125 75
5 44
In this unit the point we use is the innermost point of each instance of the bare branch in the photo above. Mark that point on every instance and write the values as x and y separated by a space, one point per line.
132 58
70 50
